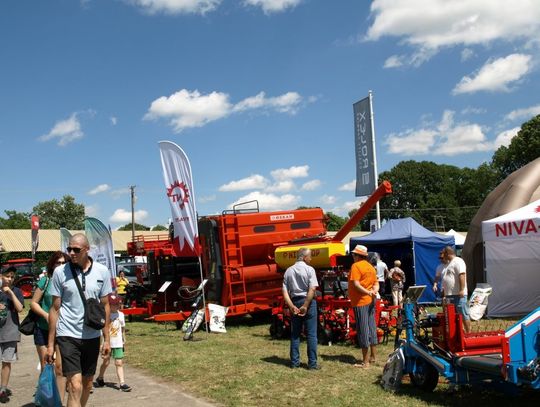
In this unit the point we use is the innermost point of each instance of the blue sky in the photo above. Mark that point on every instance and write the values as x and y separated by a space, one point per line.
258 93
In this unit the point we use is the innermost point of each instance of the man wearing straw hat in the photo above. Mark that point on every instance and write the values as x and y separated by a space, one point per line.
363 288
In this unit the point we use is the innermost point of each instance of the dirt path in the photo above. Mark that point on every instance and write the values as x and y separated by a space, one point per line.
147 391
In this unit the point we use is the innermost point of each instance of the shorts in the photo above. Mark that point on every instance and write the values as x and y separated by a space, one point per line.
461 304
9 351
78 355
117 353
41 336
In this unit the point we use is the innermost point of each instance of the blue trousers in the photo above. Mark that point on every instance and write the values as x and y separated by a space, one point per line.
309 321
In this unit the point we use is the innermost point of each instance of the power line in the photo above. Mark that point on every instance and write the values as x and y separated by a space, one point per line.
429 209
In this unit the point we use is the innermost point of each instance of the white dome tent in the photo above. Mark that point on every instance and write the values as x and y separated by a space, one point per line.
458 237
512 261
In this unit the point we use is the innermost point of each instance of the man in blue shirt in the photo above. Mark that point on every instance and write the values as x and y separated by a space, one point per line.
79 344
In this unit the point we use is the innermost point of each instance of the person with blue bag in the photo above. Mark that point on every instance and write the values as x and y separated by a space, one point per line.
78 316
40 305
47 391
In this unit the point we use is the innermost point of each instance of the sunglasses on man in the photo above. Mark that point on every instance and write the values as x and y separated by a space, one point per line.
75 250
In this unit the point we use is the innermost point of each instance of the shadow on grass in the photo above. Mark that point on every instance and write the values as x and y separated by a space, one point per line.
249 320
344 358
276 360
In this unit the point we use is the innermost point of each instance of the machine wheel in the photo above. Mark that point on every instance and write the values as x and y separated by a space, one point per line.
26 285
426 376
324 335
277 329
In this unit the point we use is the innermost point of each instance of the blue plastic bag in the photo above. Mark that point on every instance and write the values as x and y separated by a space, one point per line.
47 393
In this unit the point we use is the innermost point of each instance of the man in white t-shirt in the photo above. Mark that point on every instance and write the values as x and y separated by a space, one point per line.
382 273
454 284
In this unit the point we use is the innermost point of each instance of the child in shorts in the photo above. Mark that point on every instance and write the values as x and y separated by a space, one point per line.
11 303
117 332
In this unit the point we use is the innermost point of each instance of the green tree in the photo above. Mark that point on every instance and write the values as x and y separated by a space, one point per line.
524 148
159 228
15 220
138 226
334 222
55 214
435 195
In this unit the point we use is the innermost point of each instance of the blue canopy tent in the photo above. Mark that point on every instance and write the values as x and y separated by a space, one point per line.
417 247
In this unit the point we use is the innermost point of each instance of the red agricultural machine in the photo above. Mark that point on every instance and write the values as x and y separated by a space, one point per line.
437 345
243 255
237 259
24 276
336 316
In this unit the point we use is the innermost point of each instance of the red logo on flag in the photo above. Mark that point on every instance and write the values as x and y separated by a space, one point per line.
537 209
178 192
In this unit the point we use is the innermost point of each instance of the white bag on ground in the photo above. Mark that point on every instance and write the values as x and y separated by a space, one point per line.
217 318
479 301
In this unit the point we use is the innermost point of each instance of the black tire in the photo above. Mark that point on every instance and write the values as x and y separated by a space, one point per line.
426 376
277 329
324 335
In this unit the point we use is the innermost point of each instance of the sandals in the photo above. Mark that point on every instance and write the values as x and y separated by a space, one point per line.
361 365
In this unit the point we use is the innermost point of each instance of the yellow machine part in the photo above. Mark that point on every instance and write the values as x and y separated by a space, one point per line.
321 254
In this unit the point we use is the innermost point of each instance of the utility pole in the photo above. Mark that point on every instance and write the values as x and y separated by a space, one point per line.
132 188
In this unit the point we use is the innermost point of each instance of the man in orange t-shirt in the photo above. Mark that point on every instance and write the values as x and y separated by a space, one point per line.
363 287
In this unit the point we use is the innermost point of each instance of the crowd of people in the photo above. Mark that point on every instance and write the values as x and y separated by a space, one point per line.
367 281
63 338
61 334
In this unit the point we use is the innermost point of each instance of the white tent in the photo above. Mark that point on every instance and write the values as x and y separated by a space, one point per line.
512 261
458 237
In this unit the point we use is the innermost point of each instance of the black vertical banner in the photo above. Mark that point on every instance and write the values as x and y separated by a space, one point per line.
363 142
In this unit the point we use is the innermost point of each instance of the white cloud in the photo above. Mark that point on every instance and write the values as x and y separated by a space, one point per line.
65 131
523 114
204 199
496 75
411 142
504 138
254 181
328 199
176 6
123 216
190 109
394 61
292 172
349 186
269 202
116 193
91 210
187 109
273 6
473 110
100 188
466 138
114 120
281 186
444 138
286 103
311 185
344 209
432 24
466 54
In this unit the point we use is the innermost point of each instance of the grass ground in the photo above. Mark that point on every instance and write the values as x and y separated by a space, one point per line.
245 367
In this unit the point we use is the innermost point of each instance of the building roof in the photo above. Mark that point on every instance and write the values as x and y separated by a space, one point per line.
20 240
